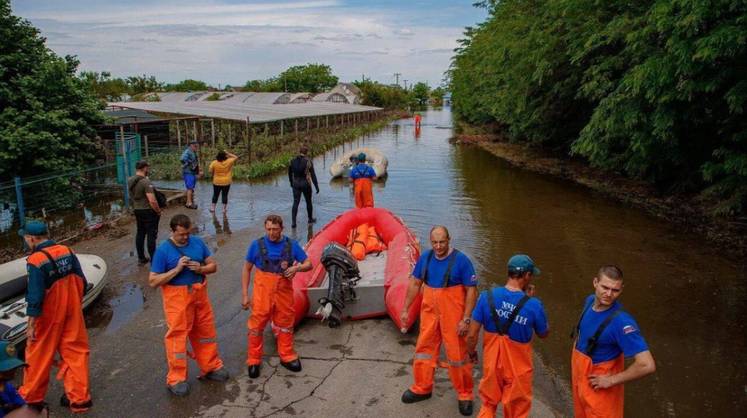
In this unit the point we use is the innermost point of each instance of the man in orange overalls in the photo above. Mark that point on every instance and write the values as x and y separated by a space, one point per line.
448 298
179 267
278 258
56 286
510 316
605 336
362 176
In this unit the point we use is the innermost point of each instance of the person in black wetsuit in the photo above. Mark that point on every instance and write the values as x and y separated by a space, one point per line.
301 175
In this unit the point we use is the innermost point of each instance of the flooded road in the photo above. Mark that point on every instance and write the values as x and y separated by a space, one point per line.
688 299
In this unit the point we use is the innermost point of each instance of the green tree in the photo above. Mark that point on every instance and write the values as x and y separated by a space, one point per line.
380 95
437 96
420 93
311 78
143 84
104 86
187 85
47 113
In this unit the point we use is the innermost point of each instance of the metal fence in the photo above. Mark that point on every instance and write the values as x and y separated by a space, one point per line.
69 202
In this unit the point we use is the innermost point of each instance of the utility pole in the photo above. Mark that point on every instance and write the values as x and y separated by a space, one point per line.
405 84
396 77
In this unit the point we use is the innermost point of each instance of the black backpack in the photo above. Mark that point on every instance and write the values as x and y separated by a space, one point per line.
160 197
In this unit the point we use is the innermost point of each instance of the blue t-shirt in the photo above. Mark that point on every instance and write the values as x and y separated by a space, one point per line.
622 335
461 273
9 396
362 171
167 257
274 251
189 161
532 316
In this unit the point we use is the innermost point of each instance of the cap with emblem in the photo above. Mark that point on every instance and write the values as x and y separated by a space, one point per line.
8 358
521 263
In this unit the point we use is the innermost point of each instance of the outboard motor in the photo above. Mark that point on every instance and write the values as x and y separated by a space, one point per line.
342 269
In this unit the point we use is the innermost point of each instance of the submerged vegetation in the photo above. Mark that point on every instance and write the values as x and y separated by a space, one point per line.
655 90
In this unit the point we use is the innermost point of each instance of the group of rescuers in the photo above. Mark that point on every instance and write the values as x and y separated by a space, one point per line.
451 314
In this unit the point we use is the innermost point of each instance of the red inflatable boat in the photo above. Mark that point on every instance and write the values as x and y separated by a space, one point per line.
383 277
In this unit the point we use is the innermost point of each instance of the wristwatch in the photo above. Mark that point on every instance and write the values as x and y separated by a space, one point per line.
467 320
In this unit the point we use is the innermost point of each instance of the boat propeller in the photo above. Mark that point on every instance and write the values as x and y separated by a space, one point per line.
342 269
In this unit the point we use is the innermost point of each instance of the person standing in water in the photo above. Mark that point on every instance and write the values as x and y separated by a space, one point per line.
362 177
221 169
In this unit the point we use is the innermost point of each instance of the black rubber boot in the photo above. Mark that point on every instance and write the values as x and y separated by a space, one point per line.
179 389
412 397
254 371
294 366
465 408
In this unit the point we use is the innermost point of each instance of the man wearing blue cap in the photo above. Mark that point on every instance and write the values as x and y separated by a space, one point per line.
362 177
510 315
54 295
12 404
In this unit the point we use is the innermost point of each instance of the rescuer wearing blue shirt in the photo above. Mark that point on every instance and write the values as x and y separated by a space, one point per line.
605 336
510 315
179 267
448 280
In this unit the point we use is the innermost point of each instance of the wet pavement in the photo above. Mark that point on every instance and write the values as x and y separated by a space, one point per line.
687 298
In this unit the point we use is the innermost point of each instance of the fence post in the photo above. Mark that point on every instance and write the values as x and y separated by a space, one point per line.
125 169
212 131
147 154
178 135
19 201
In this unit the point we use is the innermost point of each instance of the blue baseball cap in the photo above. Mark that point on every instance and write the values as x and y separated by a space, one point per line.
8 358
521 263
33 228
362 157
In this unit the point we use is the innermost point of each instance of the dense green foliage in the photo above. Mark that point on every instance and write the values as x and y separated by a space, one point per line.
187 85
46 112
652 89
309 78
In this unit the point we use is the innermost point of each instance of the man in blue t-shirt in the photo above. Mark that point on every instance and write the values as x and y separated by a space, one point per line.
179 267
190 171
12 405
510 315
606 335
278 259
448 298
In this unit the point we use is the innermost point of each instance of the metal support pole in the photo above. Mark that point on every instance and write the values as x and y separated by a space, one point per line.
295 130
248 141
178 135
194 127
125 167
212 130
147 154
19 202
281 128
230 134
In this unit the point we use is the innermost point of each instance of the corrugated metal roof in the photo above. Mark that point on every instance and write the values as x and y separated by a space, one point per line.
229 109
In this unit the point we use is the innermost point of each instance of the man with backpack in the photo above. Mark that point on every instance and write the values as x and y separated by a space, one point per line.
510 316
301 175
147 210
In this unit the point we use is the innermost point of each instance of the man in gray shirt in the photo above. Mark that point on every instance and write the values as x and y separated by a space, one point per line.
147 211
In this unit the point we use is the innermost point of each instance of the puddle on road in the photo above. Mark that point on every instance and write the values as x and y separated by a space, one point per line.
116 312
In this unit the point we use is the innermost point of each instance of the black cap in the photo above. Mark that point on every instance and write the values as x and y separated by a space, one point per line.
141 165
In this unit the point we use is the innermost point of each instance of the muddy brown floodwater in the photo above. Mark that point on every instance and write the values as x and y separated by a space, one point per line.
688 300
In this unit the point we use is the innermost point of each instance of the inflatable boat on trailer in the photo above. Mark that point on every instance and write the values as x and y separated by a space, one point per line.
340 287
13 282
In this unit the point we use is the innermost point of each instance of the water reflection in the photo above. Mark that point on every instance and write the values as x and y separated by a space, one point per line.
223 228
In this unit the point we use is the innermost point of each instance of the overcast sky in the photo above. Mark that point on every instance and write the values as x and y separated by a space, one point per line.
232 41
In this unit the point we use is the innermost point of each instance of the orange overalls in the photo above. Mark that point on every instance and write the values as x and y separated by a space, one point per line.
440 313
587 402
507 370
272 298
363 193
59 329
189 315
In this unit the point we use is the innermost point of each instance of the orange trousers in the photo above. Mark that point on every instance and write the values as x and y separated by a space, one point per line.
59 329
189 316
272 298
440 313
507 377
363 193
590 403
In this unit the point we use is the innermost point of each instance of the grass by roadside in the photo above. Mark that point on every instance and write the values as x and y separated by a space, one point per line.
269 154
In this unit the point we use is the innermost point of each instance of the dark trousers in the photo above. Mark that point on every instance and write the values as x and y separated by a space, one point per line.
297 198
147 225
221 190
